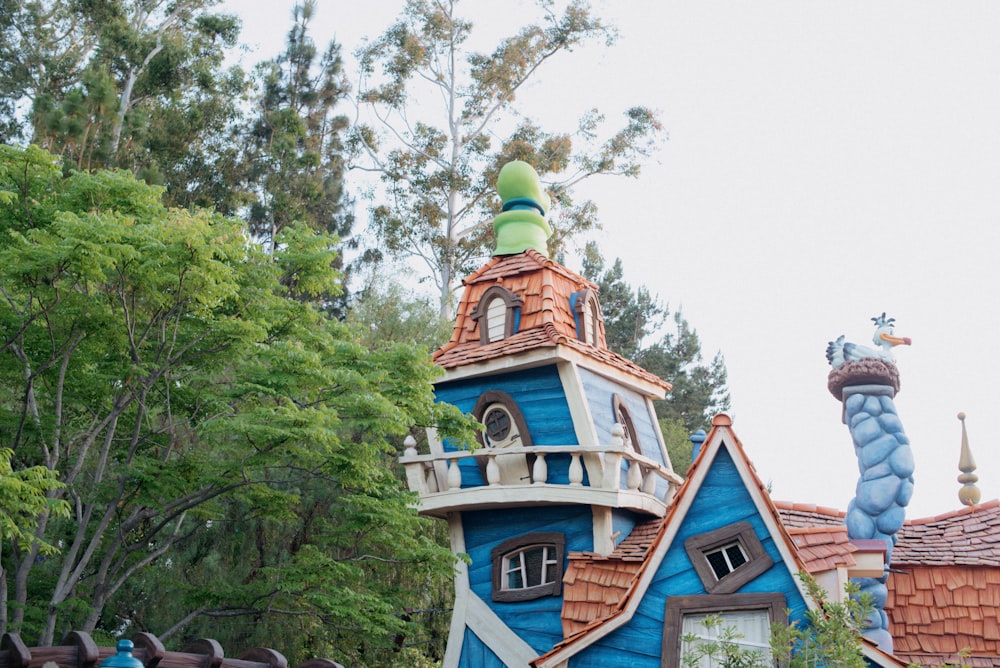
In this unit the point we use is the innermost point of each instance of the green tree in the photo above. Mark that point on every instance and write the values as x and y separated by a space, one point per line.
295 165
193 397
438 168
634 322
135 85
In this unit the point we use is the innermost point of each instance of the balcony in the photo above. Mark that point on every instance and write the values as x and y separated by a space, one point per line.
605 475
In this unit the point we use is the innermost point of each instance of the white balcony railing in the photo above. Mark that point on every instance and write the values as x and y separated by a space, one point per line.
437 477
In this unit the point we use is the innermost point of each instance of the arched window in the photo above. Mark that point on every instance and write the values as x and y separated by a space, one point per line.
528 567
624 418
497 314
504 426
587 313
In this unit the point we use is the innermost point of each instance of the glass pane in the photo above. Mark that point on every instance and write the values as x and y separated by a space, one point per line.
752 627
497 423
496 319
534 561
717 560
736 556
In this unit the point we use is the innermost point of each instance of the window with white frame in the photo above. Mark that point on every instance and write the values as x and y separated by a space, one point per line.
747 617
496 314
750 630
587 312
528 567
727 558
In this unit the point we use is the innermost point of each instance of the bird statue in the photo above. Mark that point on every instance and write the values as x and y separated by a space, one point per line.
840 351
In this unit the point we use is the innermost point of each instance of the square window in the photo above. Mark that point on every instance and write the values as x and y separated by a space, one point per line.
727 558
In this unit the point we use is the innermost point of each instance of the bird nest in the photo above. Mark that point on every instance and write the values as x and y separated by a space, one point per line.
868 371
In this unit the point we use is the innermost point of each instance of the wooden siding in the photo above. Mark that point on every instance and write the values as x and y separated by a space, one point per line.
540 397
475 653
537 622
599 391
722 500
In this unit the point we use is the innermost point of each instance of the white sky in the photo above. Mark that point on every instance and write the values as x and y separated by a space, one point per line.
826 161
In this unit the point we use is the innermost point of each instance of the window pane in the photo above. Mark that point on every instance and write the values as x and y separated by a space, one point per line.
496 319
497 423
717 561
736 556
753 628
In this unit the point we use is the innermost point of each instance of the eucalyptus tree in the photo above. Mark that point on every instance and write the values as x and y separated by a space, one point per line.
212 430
135 85
444 120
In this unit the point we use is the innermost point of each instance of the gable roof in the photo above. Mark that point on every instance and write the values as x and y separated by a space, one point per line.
612 572
547 321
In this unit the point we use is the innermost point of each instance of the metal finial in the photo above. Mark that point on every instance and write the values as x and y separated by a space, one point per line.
969 492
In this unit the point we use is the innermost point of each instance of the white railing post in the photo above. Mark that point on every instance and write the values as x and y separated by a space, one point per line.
540 471
634 477
613 458
492 470
454 475
575 471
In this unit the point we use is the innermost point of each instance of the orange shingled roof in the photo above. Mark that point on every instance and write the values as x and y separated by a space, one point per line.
823 548
594 584
546 318
944 590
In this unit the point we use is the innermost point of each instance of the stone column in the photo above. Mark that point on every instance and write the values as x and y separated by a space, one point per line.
866 389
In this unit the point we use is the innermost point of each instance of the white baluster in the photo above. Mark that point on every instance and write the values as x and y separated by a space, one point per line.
540 471
575 471
431 478
492 471
613 458
634 477
454 475
649 482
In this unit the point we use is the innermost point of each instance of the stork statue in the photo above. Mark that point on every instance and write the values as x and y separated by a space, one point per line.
866 380
840 351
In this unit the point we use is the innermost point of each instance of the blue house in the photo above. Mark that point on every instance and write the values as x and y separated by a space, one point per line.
585 547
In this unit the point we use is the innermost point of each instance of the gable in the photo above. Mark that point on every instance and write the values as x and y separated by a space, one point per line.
722 501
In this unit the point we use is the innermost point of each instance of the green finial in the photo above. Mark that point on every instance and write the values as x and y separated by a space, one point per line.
522 224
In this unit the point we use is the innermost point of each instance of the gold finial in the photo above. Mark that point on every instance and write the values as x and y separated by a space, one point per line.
969 493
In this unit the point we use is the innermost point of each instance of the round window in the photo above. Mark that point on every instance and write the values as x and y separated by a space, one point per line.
497 422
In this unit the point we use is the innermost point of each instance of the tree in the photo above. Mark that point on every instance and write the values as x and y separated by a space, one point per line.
633 316
136 85
192 397
295 165
439 172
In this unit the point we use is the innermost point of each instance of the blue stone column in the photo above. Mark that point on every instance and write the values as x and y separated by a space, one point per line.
885 462
866 389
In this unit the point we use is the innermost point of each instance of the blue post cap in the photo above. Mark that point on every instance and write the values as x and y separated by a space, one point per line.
124 658
697 439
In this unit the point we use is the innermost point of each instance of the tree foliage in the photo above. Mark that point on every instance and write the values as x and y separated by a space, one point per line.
135 85
295 165
438 168
226 450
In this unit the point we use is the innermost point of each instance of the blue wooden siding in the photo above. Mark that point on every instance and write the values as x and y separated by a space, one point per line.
722 500
475 653
599 392
540 397
537 622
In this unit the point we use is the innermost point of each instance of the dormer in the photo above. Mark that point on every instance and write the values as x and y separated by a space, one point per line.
497 314
587 315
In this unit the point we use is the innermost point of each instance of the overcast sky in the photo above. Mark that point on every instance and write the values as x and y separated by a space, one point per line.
827 161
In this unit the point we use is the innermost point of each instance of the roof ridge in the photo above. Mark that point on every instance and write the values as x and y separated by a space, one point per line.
968 510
